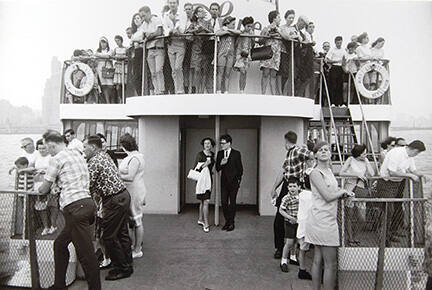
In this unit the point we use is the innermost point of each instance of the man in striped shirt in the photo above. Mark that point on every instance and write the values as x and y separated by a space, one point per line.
69 170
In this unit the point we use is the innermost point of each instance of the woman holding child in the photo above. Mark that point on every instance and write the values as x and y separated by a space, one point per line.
321 227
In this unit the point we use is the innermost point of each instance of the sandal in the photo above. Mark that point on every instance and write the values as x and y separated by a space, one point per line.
200 223
206 229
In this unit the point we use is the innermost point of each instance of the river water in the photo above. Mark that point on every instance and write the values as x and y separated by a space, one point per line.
10 145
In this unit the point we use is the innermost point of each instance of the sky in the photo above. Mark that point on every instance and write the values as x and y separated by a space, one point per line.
32 32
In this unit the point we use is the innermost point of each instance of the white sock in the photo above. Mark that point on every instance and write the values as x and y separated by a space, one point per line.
284 261
293 257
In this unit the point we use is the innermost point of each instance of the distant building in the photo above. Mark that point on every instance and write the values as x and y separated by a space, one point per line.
50 98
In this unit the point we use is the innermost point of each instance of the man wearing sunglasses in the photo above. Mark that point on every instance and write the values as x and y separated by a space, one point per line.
228 161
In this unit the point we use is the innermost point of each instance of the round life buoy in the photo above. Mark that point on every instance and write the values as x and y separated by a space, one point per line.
366 68
85 88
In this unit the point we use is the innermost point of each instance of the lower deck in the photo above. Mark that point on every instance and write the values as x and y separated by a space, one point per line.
179 255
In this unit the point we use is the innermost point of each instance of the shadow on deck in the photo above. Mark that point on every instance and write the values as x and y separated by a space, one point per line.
179 255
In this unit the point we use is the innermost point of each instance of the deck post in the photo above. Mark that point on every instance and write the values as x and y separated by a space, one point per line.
217 177
379 278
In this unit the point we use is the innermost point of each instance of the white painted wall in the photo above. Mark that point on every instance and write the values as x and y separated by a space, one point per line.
159 142
272 155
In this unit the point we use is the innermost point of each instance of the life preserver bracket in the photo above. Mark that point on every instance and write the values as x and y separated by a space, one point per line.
89 79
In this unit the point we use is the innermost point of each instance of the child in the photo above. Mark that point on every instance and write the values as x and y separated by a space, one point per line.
244 47
349 65
225 58
289 210
24 182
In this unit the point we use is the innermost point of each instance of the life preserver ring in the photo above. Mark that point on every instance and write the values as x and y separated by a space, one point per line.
85 88
366 68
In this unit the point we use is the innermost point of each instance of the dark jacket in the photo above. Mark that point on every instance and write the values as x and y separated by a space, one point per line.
232 171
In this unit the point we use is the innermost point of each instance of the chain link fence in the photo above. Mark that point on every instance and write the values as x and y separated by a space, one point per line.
382 240
29 224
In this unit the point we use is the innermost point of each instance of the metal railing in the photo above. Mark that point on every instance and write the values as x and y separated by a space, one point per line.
382 238
27 220
136 78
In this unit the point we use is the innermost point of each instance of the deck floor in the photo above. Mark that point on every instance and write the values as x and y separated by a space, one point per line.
179 255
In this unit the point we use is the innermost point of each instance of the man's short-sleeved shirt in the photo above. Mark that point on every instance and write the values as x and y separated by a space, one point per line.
294 164
336 54
397 160
68 170
290 204
151 27
104 178
76 144
180 22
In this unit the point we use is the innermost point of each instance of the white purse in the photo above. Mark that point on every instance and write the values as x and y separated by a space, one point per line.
194 175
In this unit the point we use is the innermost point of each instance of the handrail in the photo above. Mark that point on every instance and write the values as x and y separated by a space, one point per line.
331 118
25 192
386 199
369 139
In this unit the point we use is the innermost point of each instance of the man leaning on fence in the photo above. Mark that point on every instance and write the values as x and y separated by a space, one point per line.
105 182
69 170
398 164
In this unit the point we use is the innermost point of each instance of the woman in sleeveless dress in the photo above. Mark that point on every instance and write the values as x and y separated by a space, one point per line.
321 227
357 168
132 173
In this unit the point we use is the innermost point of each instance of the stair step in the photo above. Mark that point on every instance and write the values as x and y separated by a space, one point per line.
338 113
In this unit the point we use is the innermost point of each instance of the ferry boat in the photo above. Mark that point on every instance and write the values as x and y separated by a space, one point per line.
169 128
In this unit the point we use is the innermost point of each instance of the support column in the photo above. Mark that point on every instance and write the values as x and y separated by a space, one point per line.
217 175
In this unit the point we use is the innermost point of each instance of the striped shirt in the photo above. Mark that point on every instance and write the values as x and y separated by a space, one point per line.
24 181
290 204
69 170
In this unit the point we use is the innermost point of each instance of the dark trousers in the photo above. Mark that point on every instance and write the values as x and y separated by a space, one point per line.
79 216
115 232
395 214
335 84
278 224
137 69
228 199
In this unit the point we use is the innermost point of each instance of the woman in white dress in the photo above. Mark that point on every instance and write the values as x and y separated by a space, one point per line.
132 173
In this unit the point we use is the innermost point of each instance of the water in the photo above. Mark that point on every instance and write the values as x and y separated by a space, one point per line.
11 150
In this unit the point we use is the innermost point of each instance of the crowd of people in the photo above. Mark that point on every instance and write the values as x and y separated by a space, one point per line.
180 57
81 178
84 181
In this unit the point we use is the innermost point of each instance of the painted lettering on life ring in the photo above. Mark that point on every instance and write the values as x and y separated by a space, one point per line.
86 86
384 85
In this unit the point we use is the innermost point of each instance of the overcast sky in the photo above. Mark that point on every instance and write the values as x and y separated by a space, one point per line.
32 32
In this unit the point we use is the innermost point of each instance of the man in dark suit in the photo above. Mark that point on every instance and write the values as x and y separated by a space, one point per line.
228 160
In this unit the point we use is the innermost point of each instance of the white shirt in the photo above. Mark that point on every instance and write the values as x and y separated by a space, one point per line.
227 152
397 160
336 54
179 24
31 157
42 162
305 203
151 27
377 53
76 144
363 52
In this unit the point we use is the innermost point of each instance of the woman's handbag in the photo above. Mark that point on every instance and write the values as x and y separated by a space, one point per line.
362 192
194 175
108 72
261 53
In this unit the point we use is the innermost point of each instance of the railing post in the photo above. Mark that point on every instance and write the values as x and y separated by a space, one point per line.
215 64
34 266
292 68
143 73
123 82
217 179
411 196
321 80
379 278
349 90
343 215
